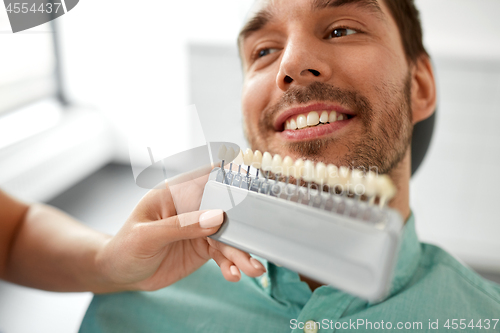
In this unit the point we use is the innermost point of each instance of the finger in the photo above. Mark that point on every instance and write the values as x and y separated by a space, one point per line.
187 189
227 267
185 226
248 265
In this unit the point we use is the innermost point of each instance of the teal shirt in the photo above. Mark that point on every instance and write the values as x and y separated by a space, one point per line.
430 289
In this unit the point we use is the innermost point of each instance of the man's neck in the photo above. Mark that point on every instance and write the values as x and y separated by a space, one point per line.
400 175
312 284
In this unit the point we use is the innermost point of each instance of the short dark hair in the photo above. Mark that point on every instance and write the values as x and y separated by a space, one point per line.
407 19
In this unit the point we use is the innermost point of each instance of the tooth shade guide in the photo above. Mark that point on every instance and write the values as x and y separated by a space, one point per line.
316 184
257 159
222 152
277 165
287 166
230 155
239 158
267 161
248 157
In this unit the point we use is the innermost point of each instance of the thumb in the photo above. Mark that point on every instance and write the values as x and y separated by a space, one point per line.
187 226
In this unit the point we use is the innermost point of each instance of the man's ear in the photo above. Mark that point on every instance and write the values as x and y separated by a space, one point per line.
423 89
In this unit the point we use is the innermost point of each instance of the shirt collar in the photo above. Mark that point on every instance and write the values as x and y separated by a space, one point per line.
408 259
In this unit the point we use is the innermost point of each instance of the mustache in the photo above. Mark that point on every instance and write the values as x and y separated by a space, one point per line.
320 92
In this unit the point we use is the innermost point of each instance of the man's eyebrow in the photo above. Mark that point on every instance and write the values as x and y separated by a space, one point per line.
257 22
368 4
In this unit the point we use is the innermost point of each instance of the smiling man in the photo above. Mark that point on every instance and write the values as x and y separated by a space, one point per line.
343 82
345 61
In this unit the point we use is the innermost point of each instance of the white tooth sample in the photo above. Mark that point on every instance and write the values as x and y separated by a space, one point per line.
356 182
298 169
301 121
324 117
332 173
239 159
332 117
320 173
257 159
344 176
370 183
267 161
386 189
287 125
287 166
230 155
341 117
248 157
312 118
277 165
293 124
308 175
222 152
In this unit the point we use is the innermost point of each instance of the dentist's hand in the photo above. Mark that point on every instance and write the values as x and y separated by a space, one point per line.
161 243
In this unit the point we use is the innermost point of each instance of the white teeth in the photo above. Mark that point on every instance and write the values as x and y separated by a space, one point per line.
308 175
248 157
222 152
230 155
320 173
267 161
332 117
287 166
257 159
324 117
276 166
312 119
239 159
301 121
298 168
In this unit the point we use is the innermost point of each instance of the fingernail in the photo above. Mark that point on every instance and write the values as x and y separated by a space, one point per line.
234 270
211 218
255 263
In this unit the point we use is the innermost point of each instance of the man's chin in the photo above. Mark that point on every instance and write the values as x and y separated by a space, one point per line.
310 149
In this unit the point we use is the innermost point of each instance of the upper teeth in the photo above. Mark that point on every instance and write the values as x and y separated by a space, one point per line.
313 118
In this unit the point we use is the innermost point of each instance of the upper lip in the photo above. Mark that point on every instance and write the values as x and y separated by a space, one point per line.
284 115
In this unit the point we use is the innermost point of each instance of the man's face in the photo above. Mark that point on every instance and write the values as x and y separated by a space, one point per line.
340 60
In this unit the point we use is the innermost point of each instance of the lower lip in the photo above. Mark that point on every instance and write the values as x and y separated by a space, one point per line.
314 132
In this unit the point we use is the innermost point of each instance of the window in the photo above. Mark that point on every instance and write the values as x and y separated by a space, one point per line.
27 64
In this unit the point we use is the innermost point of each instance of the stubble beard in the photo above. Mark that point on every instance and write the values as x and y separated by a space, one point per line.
385 136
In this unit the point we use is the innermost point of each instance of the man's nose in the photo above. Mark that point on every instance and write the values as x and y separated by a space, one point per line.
303 62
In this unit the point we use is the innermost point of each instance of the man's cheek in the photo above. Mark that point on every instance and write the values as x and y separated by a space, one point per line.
254 98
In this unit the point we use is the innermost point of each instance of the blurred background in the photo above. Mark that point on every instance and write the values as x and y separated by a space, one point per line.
76 93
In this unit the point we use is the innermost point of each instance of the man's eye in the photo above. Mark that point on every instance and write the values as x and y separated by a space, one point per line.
263 52
342 32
